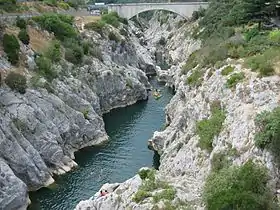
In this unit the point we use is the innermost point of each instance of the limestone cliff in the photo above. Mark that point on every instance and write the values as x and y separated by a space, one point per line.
41 129
184 165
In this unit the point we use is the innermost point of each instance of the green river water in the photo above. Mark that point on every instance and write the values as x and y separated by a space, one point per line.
129 129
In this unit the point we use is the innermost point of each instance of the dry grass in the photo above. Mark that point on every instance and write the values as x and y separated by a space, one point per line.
86 19
38 7
12 30
39 42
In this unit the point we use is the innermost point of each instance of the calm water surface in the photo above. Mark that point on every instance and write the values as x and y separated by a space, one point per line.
129 129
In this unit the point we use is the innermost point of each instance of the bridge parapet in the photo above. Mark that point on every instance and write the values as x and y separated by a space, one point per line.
184 9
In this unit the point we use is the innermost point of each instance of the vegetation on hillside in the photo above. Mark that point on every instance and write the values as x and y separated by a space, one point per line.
40 6
164 192
16 82
237 29
207 129
111 18
60 25
268 135
11 48
238 187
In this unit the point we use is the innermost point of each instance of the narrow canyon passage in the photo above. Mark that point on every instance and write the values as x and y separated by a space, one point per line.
129 129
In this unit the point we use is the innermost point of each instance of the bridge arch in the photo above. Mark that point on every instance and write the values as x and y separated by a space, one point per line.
159 9
184 9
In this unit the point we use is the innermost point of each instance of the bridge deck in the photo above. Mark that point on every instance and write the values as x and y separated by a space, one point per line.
164 3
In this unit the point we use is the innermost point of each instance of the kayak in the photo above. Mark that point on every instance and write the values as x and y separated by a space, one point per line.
157 95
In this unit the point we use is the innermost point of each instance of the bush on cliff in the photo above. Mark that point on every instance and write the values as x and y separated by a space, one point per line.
44 65
60 25
268 132
227 70
207 129
113 37
11 48
74 54
8 5
16 82
243 188
24 37
21 23
234 79
54 51
95 26
195 79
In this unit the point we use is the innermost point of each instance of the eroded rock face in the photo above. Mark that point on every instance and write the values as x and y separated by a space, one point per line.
13 192
183 163
41 129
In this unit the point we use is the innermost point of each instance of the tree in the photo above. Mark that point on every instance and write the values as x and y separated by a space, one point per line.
23 36
11 48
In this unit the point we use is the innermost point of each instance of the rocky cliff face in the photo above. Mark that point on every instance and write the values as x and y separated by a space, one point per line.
41 129
184 165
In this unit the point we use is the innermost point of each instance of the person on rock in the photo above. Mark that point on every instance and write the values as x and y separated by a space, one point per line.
103 193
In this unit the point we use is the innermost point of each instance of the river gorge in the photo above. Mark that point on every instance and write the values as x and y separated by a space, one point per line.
86 123
129 129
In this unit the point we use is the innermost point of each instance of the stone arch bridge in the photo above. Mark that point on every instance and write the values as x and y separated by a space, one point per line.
184 9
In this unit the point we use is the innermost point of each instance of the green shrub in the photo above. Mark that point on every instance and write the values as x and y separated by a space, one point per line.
11 48
60 25
263 63
74 54
240 188
236 52
147 174
54 52
191 63
111 18
234 79
8 5
251 33
207 129
24 37
63 5
274 36
50 2
16 82
213 54
140 195
268 134
76 3
123 20
166 194
113 37
197 14
195 79
227 70
219 161
220 64
45 68
21 23
95 26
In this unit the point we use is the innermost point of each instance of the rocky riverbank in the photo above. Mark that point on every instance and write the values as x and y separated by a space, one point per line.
185 165
41 129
